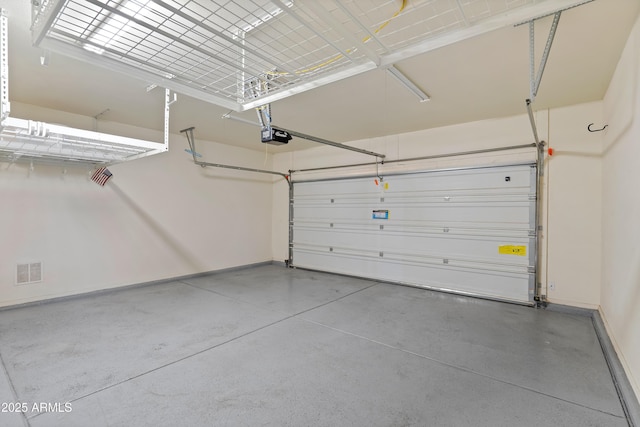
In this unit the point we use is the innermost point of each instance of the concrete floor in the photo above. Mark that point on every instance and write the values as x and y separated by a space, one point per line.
282 347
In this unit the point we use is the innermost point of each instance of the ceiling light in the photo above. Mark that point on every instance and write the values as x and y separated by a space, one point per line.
408 83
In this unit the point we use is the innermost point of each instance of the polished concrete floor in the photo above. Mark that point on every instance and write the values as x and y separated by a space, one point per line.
282 347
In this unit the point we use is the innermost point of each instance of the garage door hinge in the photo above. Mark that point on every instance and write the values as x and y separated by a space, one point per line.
532 197
532 233
531 269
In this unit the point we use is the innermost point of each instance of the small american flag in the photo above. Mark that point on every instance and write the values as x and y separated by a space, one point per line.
101 176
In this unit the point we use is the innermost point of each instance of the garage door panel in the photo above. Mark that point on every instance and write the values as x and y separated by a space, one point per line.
444 214
455 180
421 198
424 229
415 226
415 259
482 249
504 285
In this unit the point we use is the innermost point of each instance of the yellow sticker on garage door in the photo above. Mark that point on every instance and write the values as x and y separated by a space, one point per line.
512 250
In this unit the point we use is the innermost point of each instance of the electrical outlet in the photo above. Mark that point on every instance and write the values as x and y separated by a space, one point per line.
552 286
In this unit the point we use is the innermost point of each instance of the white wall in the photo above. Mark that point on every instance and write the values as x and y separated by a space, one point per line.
159 217
574 198
620 294
572 239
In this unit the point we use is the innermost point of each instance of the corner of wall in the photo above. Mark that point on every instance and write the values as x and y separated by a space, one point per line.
620 290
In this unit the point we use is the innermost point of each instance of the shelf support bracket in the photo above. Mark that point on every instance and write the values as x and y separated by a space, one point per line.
167 113
536 78
5 106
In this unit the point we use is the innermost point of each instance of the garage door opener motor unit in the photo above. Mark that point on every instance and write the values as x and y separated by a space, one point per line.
273 136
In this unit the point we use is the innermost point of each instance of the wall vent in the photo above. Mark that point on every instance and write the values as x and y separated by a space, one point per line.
29 273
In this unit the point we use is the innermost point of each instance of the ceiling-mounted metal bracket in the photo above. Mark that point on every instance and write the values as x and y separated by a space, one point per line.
539 144
5 106
168 100
192 150
536 78
534 128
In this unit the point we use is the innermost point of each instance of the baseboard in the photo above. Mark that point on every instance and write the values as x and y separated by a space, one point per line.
279 263
626 394
568 309
572 303
630 401
133 286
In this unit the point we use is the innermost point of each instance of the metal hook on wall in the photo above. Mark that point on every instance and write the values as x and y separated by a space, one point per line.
596 130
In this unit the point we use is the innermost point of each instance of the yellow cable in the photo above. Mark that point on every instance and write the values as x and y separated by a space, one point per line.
404 4
338 56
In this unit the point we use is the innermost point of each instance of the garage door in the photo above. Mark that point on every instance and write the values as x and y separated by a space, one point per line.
467 230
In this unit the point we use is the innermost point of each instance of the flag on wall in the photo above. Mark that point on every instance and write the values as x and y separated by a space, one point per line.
101 176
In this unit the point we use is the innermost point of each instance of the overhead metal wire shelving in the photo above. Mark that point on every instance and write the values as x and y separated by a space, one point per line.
22 139
25 139
242 55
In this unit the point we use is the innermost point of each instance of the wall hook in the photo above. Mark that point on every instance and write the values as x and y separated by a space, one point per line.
596 130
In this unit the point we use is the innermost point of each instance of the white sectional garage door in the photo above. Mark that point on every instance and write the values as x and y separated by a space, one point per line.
466 230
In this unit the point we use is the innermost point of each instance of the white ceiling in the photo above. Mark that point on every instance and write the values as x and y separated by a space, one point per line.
483 77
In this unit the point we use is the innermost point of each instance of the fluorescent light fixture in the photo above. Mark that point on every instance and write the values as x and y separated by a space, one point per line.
408 83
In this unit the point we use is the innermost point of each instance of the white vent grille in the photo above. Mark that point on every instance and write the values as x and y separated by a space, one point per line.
29 273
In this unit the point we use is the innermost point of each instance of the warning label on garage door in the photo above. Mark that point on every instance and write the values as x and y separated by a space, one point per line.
512 250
